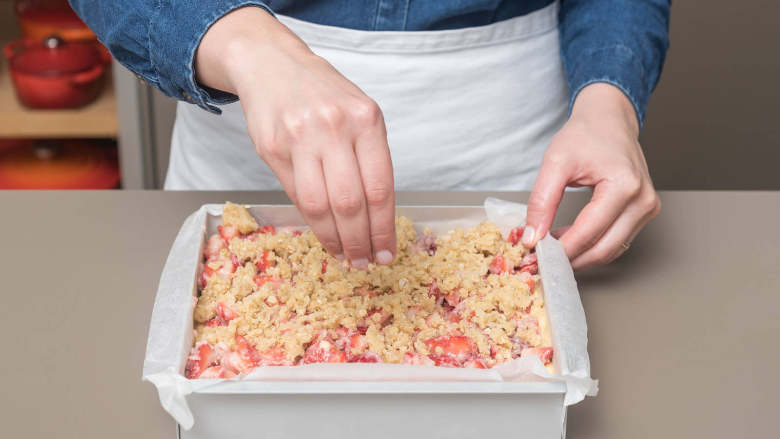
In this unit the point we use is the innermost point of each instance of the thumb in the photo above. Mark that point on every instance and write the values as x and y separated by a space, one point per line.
545 197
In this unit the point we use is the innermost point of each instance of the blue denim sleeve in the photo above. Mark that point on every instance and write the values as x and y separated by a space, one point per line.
619 42
157 39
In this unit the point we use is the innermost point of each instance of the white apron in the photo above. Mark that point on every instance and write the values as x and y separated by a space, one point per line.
469 109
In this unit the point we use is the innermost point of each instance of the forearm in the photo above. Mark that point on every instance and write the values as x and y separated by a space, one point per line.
617 42
158 40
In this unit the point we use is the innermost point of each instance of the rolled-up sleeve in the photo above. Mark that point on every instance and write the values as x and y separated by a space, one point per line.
619 42
157 40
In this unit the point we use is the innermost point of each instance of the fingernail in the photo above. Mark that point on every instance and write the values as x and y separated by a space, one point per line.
340 256
384 257
528 236
360 264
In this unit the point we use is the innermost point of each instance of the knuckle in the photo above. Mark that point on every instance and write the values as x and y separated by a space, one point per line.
294 125
655 205
366 112
348 204
354 249
312 206
332 115
630 183
378 194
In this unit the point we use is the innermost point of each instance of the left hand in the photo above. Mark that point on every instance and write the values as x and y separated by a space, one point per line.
597 147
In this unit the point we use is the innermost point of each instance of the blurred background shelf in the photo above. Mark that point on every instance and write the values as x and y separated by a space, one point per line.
98 119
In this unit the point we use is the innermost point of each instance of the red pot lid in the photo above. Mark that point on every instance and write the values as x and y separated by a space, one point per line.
55 12
69 164
53 57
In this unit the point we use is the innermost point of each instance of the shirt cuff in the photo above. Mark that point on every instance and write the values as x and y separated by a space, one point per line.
616 65
175 34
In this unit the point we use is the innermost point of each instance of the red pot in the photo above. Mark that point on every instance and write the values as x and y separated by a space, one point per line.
39 19
55 74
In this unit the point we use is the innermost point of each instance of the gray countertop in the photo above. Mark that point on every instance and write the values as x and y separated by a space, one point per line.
684 328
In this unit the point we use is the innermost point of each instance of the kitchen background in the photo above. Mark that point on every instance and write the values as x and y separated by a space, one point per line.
712 123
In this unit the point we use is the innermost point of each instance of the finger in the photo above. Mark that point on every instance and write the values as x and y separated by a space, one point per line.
610 246
607 203
348 203
376 170
545 197
313 202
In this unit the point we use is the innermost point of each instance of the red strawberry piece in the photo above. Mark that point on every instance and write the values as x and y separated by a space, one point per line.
382 321
324 266
474 364
529 264
227 232
267 229
417 359
493 351
263 262
457 348
366 357
273 357
365 292
262 279
433 290
228 267
545 354
499 265
215 372
201 358
243 359
444 361
426 243
213 246
323 350
225 312
515 235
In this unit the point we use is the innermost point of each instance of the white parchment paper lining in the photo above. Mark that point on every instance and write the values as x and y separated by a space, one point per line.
170 331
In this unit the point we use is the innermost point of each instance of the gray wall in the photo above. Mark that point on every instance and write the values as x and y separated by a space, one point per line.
714 120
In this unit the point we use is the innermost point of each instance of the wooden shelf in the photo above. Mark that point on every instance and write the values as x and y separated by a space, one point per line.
97 119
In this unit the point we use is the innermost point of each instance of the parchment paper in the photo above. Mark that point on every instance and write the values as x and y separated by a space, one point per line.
171 335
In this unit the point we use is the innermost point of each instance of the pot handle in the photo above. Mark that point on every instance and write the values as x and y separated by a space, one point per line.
87 76
11 49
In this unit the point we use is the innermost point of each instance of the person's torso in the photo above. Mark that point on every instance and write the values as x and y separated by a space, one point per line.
470 109
405 15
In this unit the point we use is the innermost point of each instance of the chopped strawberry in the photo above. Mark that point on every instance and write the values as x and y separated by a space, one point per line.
273 357
449 349
215 372
356 345
366 357
225 312
227 232
243 359
323 350
324 265
545 354
474 364
515 235
529 264
433 290
201 358
444 361
452 298
364 292
499 265
213 246
417 359
267 229
263 262
426 243
382 320
262 279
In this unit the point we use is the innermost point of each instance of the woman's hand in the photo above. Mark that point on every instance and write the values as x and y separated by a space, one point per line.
320 134
597 147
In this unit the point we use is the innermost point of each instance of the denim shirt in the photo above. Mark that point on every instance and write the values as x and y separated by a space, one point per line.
619 42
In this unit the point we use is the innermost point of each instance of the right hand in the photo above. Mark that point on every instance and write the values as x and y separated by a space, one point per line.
320 134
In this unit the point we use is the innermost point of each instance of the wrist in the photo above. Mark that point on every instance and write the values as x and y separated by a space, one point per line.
605 102
236 46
